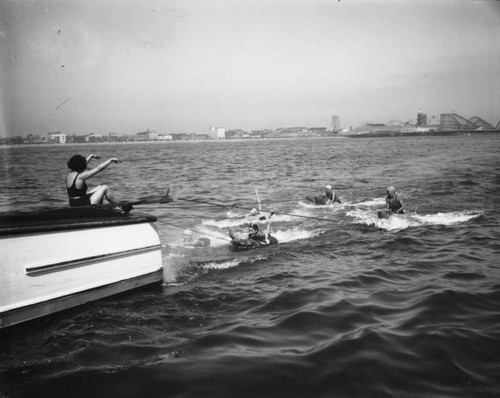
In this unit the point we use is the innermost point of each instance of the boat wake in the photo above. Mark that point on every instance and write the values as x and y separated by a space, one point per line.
297 233
371 202
190 263
403 221
185 268
224 264
310 205
232 222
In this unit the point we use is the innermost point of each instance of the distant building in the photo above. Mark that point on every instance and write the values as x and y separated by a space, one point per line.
35 139
236 134
190 137
265 133
372 127
421 118
322 131
335 124
217 133
140 136
292 132
151 135
58 138
165 137
148 135
94 137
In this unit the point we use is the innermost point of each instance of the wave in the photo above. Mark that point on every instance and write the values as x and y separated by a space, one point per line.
229 263
403 221
455 217
232 222
371 202
309 205
297 233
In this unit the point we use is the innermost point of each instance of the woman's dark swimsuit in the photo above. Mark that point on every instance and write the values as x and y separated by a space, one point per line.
394 205
78 196
333 199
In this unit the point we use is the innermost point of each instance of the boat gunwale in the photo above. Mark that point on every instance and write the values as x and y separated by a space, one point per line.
67 219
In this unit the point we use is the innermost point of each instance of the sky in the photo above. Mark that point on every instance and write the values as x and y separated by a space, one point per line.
181 66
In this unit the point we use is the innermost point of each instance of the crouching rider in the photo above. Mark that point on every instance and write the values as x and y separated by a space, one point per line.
255 237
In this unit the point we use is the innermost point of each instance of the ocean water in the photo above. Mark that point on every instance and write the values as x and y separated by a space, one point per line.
346 305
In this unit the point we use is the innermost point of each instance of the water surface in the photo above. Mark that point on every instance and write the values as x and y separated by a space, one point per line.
346 305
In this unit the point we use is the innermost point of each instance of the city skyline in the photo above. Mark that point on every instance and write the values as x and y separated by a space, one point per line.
182 66
435 122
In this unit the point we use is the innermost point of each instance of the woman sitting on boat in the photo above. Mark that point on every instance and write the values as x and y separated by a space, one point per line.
78 192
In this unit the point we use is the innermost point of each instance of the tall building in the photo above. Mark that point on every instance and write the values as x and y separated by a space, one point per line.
421 118
217 133
335 126
59 138
151 134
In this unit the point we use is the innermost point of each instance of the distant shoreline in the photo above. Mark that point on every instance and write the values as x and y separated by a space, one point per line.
338 136
416 134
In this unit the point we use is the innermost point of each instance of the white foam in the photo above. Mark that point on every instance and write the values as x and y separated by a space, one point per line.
296 233
230 263
232 214
237 222
452 218
217 238
371 202
173 284
395 222
310 205
403 221
232 222
221 265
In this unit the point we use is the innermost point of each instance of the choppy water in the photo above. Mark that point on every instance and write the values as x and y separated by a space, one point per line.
345 306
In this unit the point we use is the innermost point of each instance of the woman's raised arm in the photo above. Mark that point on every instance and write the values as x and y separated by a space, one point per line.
89 173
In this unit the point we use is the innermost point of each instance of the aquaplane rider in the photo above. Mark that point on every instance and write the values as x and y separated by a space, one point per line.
393 202
327 198
255 238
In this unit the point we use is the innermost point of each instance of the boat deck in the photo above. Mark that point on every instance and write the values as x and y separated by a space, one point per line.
60 219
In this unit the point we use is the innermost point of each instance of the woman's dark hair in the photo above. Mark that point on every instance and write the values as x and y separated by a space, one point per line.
77 163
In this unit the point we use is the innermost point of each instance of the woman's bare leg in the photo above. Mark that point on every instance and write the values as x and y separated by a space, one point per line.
99 193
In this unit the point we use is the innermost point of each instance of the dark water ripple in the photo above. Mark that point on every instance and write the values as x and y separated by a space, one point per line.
345 306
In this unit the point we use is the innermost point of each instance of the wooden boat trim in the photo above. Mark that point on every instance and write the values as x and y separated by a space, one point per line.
65 264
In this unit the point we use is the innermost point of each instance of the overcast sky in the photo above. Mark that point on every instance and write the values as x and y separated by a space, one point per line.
182 66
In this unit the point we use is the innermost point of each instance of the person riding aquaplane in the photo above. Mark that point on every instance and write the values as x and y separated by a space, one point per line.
255 238
393 201
327 198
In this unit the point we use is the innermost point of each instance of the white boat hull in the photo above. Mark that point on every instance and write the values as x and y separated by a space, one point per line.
48 271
